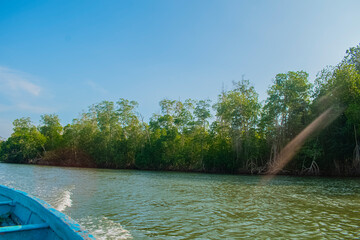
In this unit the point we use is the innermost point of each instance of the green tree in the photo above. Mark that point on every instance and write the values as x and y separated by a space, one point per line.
51 128
352 57
286 110
202 114
25 144
107 120
339 88
237 114
132 138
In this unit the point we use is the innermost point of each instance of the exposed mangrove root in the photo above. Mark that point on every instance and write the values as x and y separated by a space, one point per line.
288 152
312 170
252 166
356 159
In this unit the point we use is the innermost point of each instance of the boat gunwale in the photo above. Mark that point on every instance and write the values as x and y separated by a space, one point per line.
56 219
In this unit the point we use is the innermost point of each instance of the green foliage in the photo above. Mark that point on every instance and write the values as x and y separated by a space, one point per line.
244 136
339 88
352 57
286 108
237 113
26 143
286 113
51 128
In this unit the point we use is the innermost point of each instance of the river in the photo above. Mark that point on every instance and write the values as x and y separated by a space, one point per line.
129 204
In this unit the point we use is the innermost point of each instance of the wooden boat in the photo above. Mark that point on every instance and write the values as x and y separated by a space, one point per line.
25 217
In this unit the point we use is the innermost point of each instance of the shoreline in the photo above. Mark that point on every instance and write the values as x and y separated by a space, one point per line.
240 172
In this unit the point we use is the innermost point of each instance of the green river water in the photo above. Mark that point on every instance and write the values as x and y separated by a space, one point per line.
128 204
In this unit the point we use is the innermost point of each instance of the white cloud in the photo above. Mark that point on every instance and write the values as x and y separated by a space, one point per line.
16 83
34 108
26 86
21 96
96 87
20 93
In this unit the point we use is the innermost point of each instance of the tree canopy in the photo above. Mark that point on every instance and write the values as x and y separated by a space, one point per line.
235 134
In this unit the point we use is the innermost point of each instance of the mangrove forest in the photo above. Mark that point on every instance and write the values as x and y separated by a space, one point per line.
236 134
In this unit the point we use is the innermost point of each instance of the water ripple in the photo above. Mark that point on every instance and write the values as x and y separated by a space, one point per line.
154 205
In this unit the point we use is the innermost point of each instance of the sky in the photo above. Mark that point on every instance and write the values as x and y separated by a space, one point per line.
60 57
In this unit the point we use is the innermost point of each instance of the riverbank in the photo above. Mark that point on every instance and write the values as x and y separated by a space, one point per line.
79 159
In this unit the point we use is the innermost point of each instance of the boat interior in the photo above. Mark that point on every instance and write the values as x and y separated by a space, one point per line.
19 222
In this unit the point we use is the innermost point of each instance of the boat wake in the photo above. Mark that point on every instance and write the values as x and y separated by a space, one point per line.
64 200
104 228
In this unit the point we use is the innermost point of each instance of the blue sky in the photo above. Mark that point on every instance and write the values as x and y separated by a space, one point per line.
62 56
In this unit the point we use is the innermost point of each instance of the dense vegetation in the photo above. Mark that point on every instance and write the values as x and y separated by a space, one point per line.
243 136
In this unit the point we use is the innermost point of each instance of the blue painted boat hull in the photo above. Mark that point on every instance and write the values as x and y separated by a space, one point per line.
26 217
